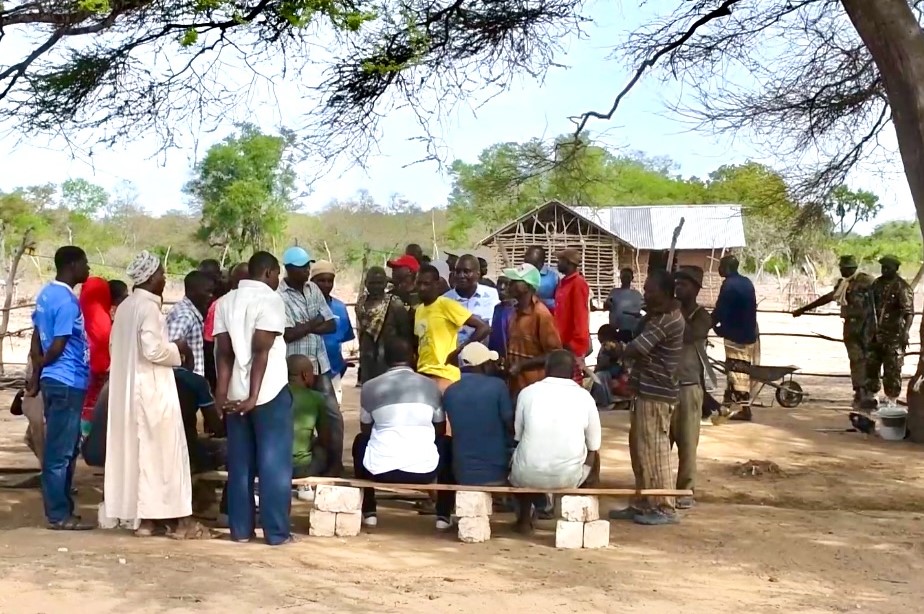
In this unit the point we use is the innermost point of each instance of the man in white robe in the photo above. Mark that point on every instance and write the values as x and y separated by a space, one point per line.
147 475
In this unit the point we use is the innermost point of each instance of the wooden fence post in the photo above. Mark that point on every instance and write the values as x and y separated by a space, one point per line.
25 244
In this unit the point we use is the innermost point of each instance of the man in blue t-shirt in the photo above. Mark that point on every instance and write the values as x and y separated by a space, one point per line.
61 357
323 274
735 320
480 411
548 277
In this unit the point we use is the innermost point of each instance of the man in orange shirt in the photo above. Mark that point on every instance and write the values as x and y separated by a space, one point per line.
572 306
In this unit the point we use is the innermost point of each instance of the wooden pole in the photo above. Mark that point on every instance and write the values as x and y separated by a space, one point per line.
24 245
670 254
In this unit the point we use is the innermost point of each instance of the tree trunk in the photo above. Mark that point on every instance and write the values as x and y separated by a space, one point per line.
891 32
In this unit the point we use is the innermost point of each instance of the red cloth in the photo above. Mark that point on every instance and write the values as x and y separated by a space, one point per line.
409 262
572 314
97 381
208 326
96 305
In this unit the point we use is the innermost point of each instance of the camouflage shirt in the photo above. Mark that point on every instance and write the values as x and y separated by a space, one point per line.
894 301
857 310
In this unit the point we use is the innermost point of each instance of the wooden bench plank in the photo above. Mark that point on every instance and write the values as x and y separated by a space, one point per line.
221 476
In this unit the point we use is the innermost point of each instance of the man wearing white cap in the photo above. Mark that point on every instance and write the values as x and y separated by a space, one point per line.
308 317
323 275
147 463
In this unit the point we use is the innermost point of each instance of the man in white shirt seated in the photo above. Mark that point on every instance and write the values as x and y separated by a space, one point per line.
557 429
402 437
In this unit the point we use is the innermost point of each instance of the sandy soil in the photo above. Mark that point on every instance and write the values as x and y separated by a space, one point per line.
840 528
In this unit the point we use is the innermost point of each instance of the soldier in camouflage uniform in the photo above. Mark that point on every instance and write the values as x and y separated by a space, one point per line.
893 300
852 293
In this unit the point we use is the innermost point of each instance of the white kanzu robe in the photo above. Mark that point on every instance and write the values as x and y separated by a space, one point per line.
147 463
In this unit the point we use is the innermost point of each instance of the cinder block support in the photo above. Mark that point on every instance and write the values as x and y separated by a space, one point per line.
473 504
569 534
582 508
340 499
597 534
474 529
348 525
322 524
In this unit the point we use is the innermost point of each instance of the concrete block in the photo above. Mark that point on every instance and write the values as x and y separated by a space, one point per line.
581 508
569 534
322 524
473 504
474 530
597 534
348 524
340 499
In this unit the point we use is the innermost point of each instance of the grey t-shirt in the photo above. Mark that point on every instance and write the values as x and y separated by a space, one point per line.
624 303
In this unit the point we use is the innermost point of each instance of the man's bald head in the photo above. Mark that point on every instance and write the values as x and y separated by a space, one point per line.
238 272
301 371
728 265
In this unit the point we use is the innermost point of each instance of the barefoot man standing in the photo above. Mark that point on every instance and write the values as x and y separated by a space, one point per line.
147 463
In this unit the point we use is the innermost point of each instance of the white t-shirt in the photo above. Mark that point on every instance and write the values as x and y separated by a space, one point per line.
401 406
556 425
253 306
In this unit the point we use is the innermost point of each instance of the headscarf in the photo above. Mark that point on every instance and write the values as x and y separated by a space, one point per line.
95 304
143 267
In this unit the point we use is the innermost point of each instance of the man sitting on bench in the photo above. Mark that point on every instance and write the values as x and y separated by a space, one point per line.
310 437
557 428
403 432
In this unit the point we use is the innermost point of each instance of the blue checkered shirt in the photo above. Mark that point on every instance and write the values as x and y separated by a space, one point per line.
185 322
304 306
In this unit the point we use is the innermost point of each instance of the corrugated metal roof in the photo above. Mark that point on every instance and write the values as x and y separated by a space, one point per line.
652 226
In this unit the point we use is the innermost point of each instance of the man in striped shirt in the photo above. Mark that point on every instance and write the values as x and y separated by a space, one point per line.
655 354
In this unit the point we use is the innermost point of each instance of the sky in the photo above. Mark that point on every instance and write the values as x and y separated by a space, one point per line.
588 80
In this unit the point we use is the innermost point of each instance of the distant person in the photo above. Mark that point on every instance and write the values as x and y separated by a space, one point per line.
308 318
625 306
379 317
557 429
323 275
253 387
548 276
118 292
500 321
572 307
212 268
404 280
853 294
894 301
474 296
61 372
532 335
147 473
402 432
96 307
687 416
186 318
483 270
416 252
655 354
479 408
437 323
735 320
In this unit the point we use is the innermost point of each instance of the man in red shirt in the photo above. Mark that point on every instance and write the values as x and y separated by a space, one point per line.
572 306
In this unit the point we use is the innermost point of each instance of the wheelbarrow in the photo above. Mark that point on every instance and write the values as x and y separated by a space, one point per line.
788 393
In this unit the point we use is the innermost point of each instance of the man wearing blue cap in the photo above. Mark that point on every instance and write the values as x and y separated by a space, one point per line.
308 316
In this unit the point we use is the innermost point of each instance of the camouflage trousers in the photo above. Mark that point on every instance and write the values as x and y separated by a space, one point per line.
887 358
857 350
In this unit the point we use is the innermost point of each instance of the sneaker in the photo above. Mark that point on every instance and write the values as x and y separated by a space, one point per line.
305 493
655 518
628 513
685 503
443 524
370 520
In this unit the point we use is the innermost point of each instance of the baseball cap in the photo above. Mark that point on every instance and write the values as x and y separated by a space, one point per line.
296 256
405 261
525 272
475 354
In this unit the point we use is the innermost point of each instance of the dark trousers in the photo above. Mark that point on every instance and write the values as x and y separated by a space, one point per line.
316 467
63 405
445 500
260 445
334 421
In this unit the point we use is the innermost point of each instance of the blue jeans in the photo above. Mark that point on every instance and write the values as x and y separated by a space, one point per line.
63 405
260 445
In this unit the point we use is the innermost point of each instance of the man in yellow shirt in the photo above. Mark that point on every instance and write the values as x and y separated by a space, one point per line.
436 324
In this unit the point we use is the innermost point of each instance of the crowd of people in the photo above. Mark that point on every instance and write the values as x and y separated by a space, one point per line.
463 379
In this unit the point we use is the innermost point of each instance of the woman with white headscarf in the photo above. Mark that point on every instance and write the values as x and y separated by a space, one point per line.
147 475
